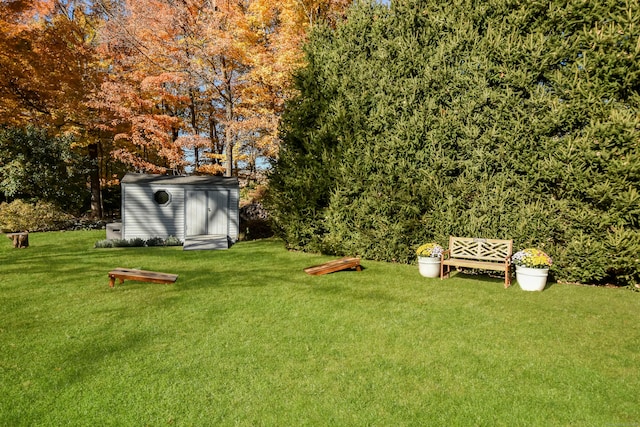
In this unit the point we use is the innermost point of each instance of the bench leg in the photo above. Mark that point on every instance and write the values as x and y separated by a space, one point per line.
112 280
442 273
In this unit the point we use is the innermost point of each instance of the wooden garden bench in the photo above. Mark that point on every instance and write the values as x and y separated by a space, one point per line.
484 254
140 275
337 265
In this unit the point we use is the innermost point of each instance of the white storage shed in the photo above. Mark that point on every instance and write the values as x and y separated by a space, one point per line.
202 211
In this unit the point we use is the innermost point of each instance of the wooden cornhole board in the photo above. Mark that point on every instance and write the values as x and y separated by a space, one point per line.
140 275
337 265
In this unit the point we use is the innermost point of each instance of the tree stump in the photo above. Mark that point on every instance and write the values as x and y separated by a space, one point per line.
20 240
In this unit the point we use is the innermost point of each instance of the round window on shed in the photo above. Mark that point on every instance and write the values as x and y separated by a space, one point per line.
162 197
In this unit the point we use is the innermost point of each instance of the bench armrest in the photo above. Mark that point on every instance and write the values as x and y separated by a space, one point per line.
445 254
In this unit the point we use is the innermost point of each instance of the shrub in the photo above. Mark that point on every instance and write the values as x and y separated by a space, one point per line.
106 243
120 243
137 242
254 222
155 241
40 216
36 165
172 241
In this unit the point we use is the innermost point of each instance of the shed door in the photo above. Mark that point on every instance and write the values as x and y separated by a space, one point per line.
207 212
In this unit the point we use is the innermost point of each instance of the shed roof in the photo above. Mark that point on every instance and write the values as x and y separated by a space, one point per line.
200 180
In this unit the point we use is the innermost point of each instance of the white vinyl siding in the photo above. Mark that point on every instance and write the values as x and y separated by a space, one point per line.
234 213
144 218
198 205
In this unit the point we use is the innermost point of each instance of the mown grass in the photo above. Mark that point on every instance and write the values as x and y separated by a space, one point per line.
245 337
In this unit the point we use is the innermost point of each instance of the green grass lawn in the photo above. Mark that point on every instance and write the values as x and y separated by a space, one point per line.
246 338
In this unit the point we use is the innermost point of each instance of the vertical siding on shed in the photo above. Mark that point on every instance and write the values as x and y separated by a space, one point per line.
234 213
230 204
144 218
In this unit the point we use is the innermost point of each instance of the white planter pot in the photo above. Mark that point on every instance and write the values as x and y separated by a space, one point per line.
429 267
531 279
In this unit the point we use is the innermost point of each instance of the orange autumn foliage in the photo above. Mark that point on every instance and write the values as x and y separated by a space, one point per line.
160 85
218 71
46 64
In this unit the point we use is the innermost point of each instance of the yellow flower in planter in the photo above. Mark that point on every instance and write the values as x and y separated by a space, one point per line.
532 258
429 250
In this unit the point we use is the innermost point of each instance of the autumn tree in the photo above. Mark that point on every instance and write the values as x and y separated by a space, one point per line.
47 63
205 77
47 71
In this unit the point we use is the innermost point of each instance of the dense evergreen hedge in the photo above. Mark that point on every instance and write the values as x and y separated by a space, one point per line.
498 119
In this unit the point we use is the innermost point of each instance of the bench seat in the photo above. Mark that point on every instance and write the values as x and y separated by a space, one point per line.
483 254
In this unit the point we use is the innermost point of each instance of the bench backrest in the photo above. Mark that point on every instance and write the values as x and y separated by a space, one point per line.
482 249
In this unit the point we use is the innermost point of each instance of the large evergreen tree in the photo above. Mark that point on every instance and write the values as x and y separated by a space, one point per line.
498 118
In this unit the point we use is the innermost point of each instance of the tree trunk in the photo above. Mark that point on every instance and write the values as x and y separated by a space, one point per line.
194 126
20 240
94 178
228 141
